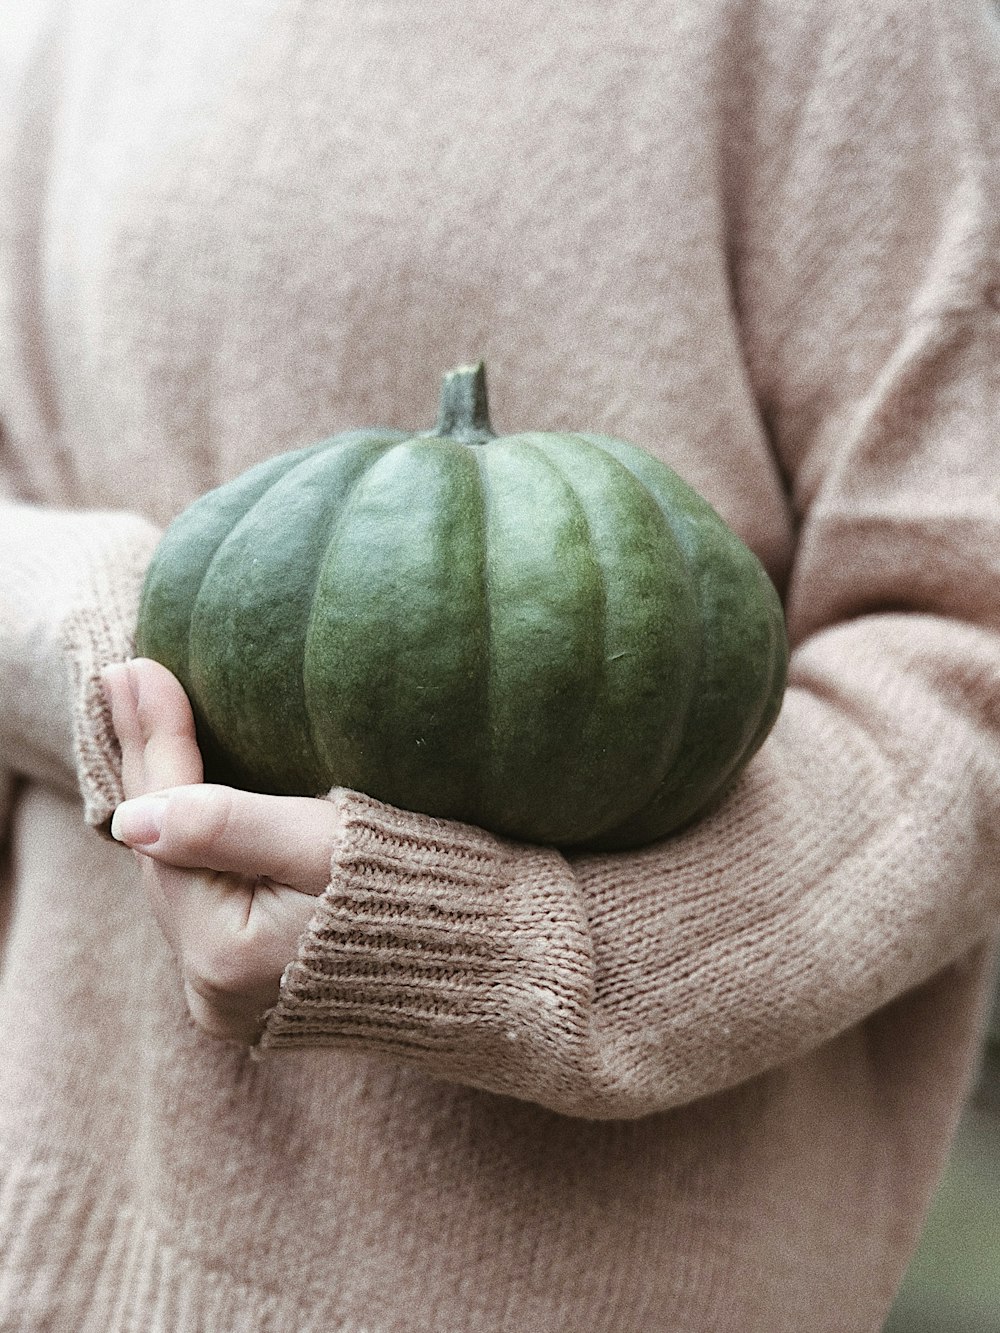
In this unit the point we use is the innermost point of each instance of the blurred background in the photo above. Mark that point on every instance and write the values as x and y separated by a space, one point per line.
953 1284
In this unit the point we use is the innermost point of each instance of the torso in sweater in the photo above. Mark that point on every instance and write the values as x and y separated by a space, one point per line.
240 230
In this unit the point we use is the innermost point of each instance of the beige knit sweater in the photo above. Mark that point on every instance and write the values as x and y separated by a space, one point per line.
706 1087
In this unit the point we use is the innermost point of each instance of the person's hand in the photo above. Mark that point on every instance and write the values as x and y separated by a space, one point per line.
231 875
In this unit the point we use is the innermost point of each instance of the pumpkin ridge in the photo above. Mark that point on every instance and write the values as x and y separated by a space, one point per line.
403 681
684 546
161 578
237 532
697 660
174 649
243 518
672 651
685 543
532 708
599 607
331 538
772 696
486 682
599 570
694 785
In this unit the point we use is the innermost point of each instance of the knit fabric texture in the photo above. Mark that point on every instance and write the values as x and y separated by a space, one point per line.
708 1085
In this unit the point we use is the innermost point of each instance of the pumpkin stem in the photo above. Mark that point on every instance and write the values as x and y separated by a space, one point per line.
463 413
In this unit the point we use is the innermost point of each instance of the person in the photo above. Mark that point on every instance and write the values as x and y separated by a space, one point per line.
296 1064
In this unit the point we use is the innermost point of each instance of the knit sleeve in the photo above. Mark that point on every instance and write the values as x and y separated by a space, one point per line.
860 852
68 604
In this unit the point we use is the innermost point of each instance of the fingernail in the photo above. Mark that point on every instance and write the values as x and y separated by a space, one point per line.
138 822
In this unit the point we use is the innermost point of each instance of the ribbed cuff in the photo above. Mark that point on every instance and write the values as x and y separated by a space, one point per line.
443 946
100 630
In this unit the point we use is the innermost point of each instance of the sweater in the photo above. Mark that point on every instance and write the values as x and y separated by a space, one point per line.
707 1085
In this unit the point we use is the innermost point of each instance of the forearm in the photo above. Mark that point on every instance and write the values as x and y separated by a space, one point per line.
849 865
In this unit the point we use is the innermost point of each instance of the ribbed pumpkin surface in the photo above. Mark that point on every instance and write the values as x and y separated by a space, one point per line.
549 635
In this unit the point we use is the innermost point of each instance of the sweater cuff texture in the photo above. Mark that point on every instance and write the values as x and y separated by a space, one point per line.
99 631
427 946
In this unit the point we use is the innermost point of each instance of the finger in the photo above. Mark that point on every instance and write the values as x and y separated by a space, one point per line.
233 941
287 839
166 724
120 694
155 726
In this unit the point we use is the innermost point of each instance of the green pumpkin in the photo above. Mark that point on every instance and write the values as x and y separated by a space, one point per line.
548 635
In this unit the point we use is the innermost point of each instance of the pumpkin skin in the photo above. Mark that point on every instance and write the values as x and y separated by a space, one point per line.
551 636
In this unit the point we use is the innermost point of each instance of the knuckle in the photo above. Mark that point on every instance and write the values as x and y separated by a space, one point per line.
197 819
216 969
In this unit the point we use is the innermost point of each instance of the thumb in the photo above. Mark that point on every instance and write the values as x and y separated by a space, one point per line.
287 839
154 724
